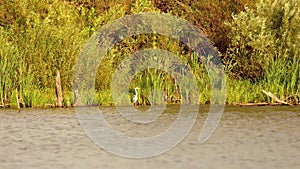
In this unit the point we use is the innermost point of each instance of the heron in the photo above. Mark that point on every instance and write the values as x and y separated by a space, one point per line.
135 97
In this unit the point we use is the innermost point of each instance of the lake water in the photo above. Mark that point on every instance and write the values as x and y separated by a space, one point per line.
247 137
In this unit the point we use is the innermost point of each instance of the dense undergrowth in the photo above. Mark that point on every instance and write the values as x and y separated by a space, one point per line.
258 41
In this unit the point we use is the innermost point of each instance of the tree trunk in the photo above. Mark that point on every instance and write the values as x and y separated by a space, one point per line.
59 94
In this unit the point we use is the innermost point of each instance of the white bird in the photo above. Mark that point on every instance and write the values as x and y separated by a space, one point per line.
135 97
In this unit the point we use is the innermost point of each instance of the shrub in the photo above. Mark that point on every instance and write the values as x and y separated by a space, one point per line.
260 36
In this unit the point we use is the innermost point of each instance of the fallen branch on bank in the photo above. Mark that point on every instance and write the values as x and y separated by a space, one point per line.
252 104
275 98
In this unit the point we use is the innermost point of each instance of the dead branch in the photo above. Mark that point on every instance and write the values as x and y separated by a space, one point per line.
275 98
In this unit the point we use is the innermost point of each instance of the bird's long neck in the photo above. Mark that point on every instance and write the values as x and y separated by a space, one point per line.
136 92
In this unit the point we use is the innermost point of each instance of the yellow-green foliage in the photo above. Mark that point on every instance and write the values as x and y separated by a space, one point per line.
40 37
265 47
261 35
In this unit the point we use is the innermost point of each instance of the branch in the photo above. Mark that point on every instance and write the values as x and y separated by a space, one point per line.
275 98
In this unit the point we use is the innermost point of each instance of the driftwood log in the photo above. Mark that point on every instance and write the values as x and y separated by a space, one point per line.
59 94
252 104
275 98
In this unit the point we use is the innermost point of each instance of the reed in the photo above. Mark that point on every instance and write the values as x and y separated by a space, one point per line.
8 67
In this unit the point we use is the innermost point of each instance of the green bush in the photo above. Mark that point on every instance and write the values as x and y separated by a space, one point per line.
265 49
260 36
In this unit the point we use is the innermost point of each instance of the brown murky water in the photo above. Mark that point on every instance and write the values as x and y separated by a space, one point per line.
247 137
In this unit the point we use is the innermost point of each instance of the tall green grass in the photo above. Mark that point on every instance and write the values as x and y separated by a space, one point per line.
8 66
44 37
281 79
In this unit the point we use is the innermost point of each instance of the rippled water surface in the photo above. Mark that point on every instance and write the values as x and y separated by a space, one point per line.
247 137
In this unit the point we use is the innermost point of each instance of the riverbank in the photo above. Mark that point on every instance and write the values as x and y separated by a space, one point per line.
270 101
249 95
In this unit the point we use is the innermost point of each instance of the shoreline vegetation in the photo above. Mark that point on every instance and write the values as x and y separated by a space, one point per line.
258 42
